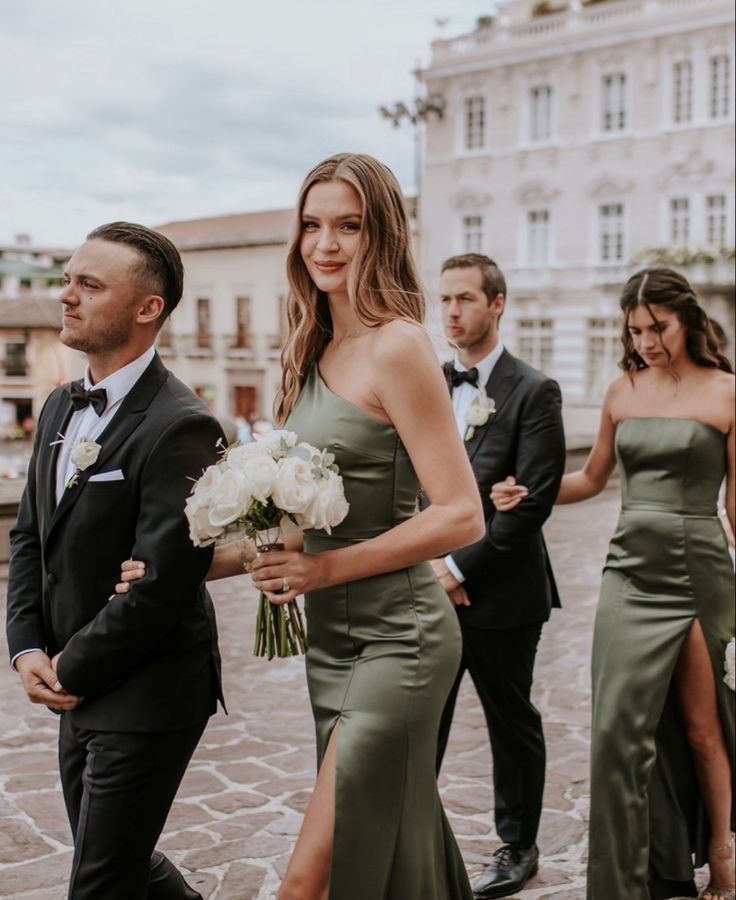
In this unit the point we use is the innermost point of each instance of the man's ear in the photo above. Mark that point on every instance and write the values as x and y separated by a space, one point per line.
150 309
498 304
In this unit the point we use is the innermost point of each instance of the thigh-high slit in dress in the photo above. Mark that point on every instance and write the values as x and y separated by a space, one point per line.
383 654
668 565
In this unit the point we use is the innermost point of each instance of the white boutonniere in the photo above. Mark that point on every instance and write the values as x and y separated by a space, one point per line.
729 665
479 412
84 454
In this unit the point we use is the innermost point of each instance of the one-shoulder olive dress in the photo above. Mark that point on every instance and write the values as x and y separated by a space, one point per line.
383 654
668 564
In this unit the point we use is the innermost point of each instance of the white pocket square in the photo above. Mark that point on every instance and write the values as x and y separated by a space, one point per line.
115 475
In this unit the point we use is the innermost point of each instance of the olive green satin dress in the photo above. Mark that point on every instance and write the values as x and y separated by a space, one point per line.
668 565
383 654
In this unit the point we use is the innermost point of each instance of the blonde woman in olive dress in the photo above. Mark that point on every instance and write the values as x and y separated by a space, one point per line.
662 742
361 378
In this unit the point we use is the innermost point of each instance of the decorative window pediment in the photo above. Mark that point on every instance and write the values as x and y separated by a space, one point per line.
468 199
537 192
607 186
691 171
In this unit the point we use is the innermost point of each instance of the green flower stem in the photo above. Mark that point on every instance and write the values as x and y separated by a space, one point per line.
279 629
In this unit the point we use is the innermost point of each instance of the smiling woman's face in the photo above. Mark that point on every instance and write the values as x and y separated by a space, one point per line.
331 233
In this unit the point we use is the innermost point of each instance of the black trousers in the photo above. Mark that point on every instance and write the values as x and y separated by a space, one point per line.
118 789
501 664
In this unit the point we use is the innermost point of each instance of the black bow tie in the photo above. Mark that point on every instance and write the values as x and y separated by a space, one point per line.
82 399
457 378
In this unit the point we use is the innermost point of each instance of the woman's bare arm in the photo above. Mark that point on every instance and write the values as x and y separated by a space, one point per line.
576 486
421 411
599 465
731 471
229 560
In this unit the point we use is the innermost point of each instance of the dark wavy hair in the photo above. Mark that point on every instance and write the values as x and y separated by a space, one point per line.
669 289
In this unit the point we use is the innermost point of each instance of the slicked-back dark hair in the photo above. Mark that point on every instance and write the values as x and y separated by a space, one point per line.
493 282
160 270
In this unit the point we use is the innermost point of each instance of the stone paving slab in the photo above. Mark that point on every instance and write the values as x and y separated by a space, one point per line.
241 802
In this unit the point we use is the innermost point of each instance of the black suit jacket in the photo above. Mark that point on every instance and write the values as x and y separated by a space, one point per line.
146 660
508 575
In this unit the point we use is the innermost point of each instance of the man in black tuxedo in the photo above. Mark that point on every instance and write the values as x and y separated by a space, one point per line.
134 676
502 587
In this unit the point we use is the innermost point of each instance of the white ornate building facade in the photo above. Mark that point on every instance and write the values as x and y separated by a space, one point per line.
577 141
224 339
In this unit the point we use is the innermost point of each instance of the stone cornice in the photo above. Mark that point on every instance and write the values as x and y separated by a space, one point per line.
569 38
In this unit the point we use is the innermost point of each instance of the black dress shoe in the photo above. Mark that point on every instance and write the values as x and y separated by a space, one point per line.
510 870
662 889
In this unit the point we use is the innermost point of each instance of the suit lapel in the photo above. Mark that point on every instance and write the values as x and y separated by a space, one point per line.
49 456
447 369
125 421
499 387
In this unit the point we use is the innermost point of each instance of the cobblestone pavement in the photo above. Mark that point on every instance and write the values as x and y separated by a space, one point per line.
241 802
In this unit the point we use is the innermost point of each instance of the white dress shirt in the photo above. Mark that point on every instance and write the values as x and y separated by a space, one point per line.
86 422
462 399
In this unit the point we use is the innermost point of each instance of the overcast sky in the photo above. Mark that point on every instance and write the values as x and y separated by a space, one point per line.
154 110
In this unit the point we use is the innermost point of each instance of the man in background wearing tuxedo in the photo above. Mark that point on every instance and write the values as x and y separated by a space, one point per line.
502 587
134 676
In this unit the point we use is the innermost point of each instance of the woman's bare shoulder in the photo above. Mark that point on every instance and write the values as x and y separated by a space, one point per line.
725 386
621 387
397 337
724 380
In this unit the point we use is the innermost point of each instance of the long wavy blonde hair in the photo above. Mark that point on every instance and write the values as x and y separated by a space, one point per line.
383 283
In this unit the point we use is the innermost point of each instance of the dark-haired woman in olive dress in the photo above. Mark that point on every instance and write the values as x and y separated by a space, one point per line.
662 741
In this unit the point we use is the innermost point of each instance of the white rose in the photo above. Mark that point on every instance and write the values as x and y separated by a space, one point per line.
238 456
201 531
85 452
479 411
204 486
277 441
230 498
729 664
261 473
329 507
294 487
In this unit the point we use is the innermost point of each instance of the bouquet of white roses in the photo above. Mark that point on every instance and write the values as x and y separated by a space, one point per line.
251 491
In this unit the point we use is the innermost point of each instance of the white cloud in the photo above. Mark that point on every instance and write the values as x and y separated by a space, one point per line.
161 109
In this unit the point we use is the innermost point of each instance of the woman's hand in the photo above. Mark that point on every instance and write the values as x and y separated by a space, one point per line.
131 570
282 574
507 495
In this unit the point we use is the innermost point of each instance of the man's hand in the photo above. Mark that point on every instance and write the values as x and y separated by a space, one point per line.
444 575
507 495
459 597
38 675
454 590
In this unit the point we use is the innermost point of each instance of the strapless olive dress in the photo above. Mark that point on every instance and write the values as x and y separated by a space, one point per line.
383 654
668 565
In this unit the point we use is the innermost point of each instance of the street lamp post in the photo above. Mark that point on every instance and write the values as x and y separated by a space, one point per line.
420 111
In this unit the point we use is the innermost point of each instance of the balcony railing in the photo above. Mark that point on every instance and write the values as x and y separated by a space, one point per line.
578 15
259 347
